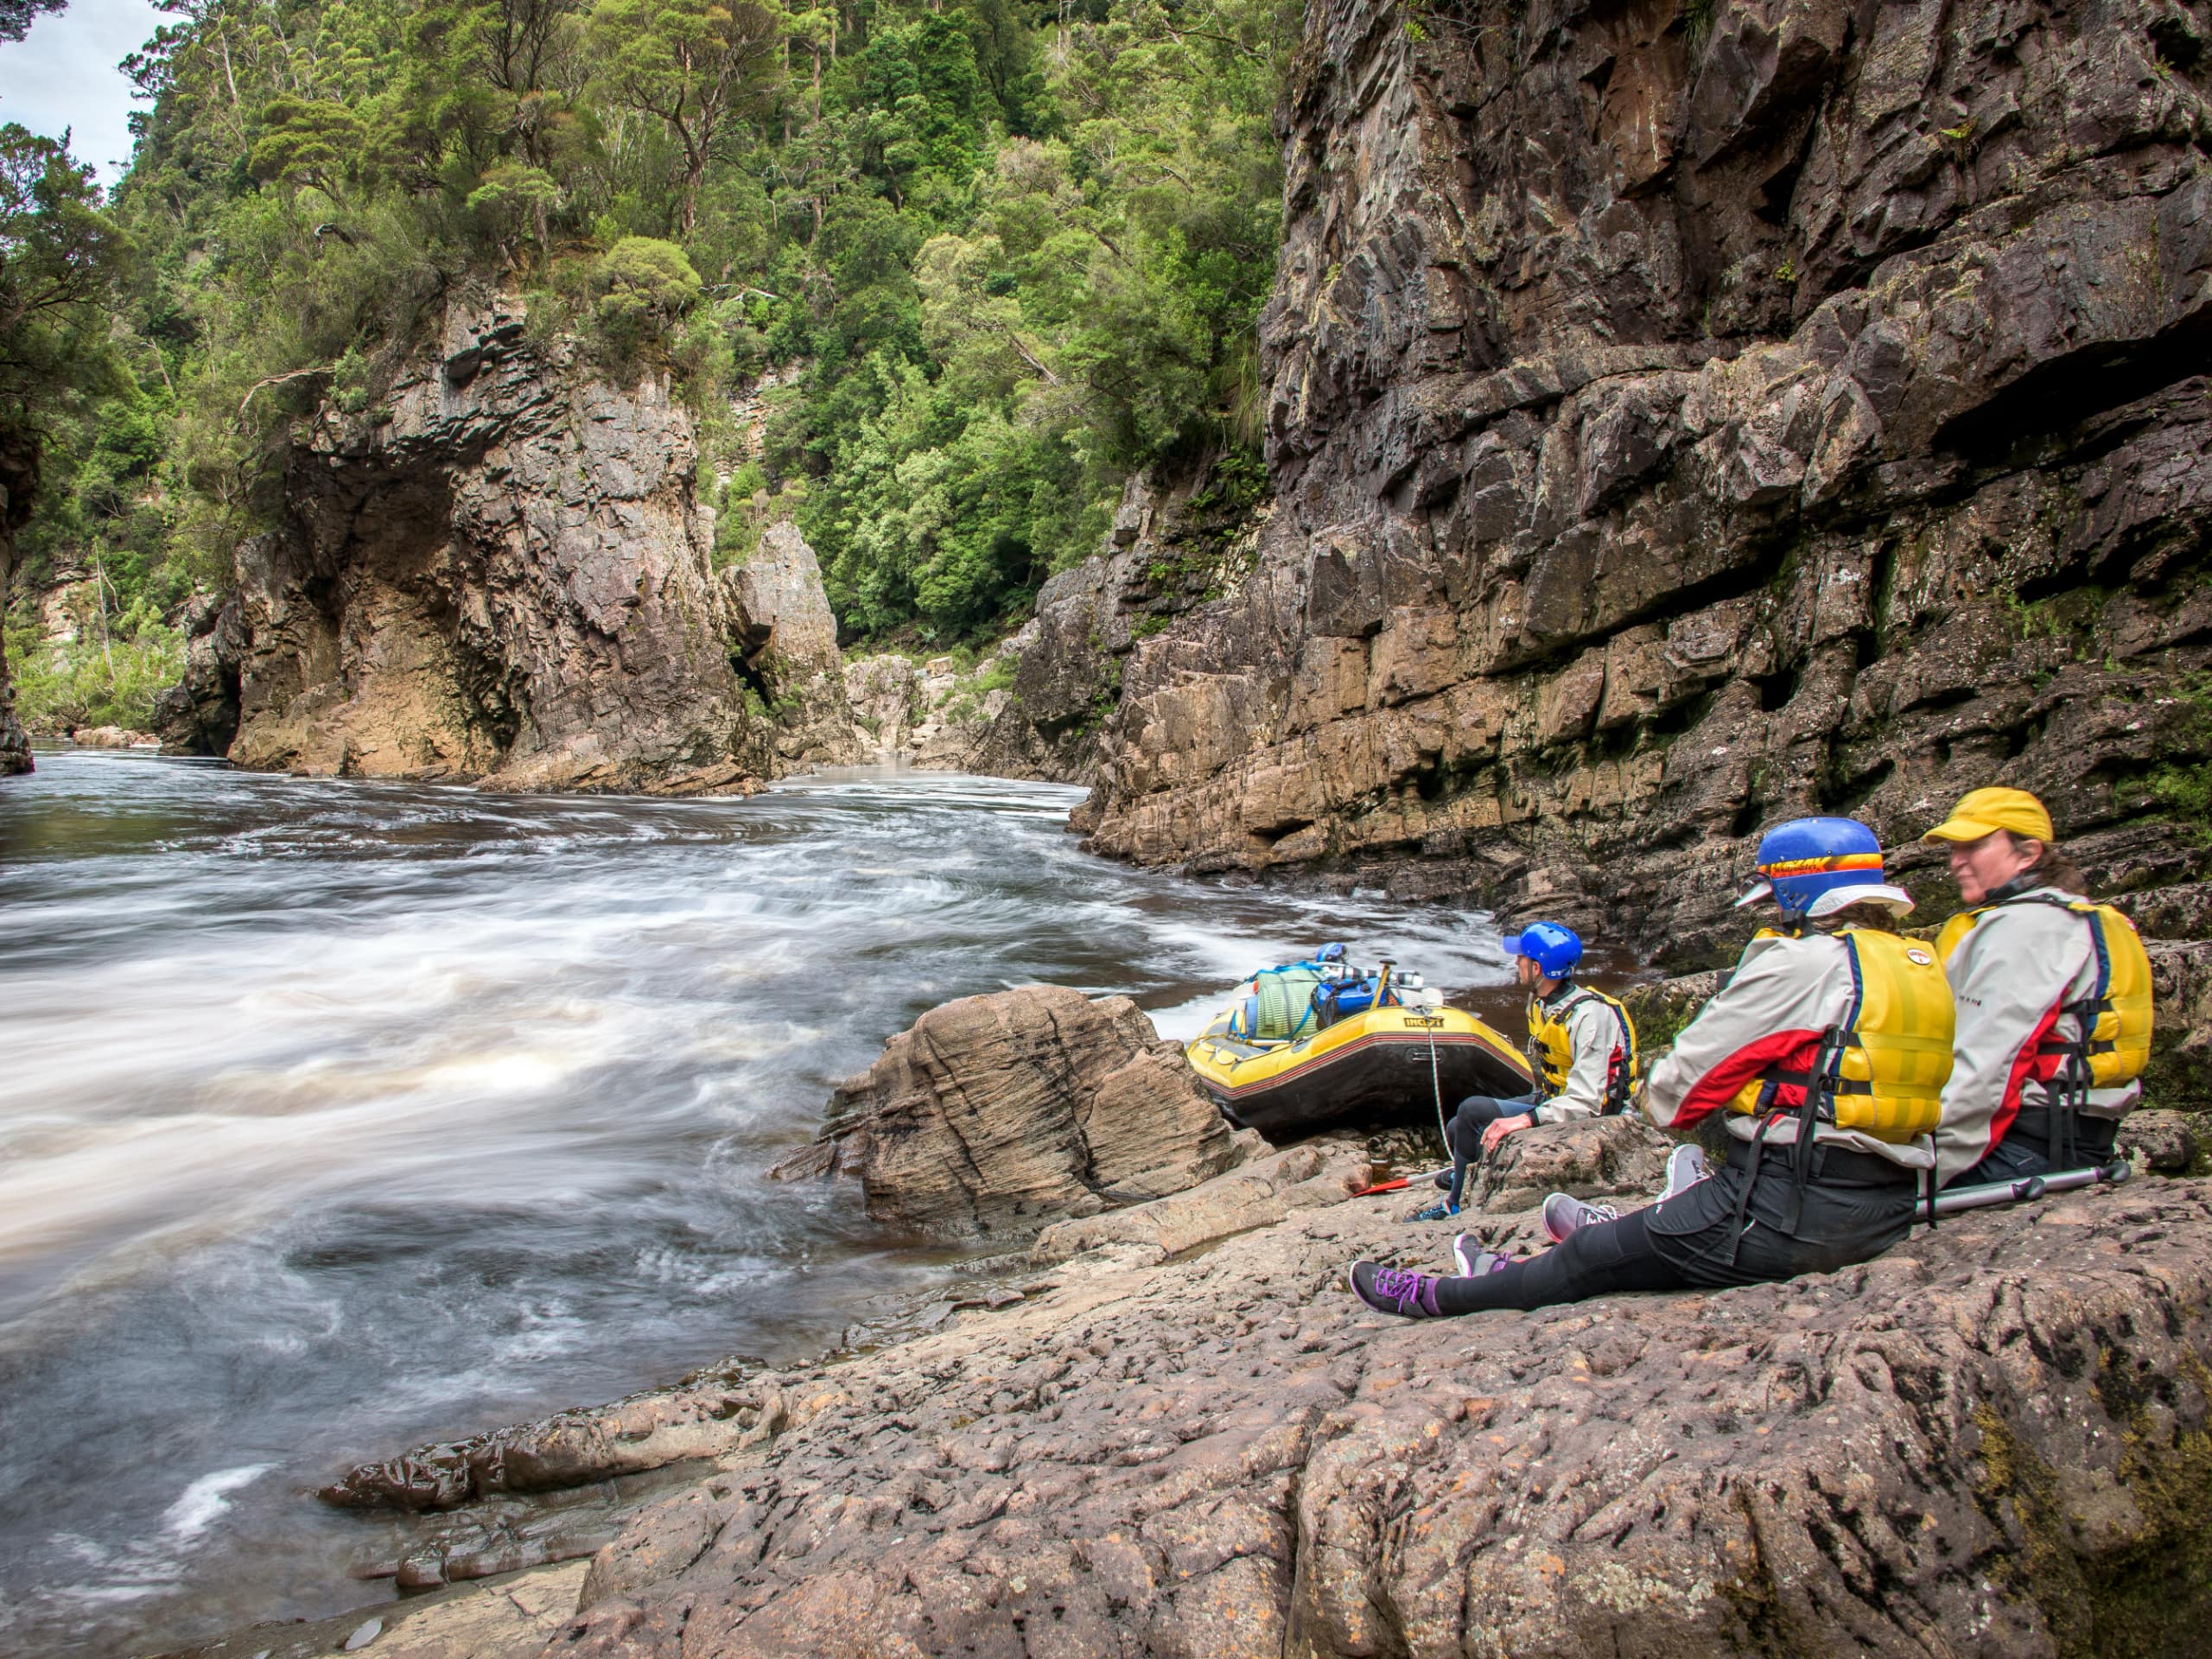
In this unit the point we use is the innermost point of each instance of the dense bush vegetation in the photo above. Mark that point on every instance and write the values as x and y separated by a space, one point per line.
1004 256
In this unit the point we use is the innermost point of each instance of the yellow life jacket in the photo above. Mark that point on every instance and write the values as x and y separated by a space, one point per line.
2115 1042
1881 1071
1551 1046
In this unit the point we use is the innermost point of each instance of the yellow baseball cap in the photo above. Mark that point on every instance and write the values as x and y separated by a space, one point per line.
1982 811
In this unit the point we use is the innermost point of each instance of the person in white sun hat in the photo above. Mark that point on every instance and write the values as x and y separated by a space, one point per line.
1828 1048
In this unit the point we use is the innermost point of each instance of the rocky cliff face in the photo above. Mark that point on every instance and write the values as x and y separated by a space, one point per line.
499 571
789 640
1684 418
16 476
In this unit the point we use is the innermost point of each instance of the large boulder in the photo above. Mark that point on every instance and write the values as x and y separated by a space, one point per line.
996 1115
1590 1158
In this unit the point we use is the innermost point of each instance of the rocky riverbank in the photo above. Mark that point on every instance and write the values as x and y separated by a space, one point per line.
1159 1425
1995 1438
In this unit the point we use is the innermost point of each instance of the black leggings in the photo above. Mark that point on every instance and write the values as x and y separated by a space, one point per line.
1476 1114
1712 1233
1596 1261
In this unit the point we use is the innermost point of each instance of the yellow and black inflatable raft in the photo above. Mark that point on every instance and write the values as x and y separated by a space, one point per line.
1373 1066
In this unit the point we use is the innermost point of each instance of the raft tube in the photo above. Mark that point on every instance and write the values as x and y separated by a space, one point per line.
1371 1067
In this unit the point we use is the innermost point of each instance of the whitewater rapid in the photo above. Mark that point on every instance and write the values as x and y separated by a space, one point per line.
335 1116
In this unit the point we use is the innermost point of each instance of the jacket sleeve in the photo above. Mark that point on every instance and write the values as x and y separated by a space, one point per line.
1772 1011
1596 1037
2009 976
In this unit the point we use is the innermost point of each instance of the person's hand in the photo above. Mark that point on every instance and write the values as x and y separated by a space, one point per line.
1505 1125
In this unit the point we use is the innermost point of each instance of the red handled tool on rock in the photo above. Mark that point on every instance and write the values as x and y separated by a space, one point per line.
1954 1199
1384 1186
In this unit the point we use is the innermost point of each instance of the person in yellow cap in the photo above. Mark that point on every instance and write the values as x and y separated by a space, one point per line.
2053 998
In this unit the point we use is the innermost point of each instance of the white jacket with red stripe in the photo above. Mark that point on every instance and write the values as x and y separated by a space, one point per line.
1771 1011
2013 976
1594 1032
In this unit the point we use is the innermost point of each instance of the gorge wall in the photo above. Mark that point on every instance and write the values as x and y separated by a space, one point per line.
1682 418
17 475
498 570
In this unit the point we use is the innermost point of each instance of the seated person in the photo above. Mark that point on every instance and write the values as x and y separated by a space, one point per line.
2054 996
1581 1046
1827 1047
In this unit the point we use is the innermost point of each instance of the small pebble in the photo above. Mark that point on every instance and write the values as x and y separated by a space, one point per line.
364 1635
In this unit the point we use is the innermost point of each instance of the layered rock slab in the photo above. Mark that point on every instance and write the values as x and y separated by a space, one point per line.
994 1115
1989 1442
1679 424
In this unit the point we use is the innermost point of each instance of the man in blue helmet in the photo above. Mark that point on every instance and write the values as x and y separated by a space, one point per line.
1581 1048
1828 1048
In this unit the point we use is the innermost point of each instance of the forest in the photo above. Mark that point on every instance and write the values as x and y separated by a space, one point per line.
992 258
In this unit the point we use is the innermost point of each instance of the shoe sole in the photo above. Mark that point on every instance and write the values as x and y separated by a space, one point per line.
1352 1285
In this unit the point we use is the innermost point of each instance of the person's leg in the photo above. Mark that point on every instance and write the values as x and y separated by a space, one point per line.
1596 1261
1465 1137
2012 1160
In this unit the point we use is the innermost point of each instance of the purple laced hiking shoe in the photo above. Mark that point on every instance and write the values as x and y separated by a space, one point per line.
1394 1290
1473 1264
1563 1214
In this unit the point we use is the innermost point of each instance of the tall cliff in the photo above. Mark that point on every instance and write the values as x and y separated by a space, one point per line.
1686 417
18 471
498 570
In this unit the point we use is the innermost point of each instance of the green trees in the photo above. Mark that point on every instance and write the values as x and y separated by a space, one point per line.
1001 255
59 255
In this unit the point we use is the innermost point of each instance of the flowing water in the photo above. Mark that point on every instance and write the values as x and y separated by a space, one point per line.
335 1116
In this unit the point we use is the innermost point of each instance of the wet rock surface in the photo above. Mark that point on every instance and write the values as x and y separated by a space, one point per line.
992 1116
1988 1438
1681 422
498 571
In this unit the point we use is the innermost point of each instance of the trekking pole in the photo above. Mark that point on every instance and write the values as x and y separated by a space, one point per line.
1954 1199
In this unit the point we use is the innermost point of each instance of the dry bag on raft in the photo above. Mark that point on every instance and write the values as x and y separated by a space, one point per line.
1301 998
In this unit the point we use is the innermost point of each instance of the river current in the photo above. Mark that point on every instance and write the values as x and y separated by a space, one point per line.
335 1116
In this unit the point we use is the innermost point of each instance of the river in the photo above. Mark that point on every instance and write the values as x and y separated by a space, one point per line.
339 1116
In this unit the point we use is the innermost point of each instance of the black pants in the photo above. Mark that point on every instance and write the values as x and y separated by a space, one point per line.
1465 1137
1850 1211
2026 1149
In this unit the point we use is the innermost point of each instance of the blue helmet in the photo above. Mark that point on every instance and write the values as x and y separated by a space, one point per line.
1811 866
1554 949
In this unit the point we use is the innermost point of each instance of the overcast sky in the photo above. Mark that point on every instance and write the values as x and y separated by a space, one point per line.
63 75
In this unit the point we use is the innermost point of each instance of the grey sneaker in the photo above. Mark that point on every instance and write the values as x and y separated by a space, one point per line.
1473 1264
1685 1167
1394 1290
1562 1215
